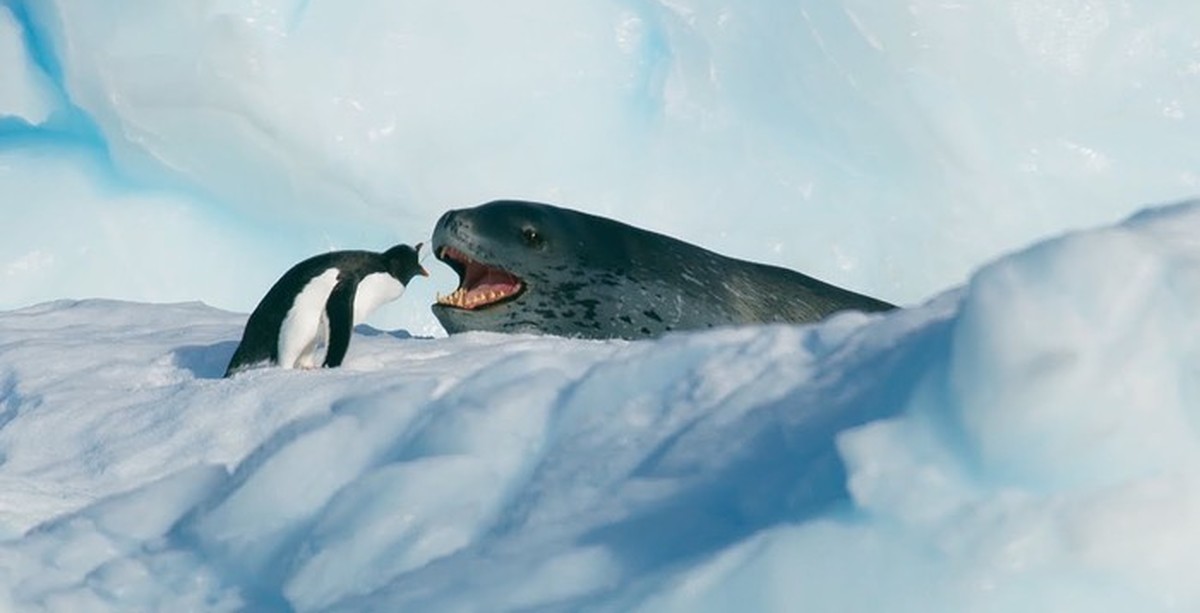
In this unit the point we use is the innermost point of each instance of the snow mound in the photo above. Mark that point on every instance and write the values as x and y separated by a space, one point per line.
1026 443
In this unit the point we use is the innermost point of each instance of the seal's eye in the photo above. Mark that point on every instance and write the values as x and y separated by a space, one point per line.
532 237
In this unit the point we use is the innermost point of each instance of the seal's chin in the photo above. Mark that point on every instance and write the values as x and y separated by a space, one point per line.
480 285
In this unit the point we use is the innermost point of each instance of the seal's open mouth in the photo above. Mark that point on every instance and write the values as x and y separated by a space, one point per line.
480 285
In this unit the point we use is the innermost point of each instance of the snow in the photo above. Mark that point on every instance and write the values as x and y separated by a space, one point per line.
1026 442
1022 436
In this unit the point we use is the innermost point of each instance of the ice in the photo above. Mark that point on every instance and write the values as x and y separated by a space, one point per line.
891 150
25 92
1022 436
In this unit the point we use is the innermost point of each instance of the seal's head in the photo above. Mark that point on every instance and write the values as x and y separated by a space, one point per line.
524 267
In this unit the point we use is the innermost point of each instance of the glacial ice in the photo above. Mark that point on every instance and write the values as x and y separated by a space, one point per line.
1020 437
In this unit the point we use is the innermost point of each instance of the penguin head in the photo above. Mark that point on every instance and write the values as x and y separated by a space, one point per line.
402 262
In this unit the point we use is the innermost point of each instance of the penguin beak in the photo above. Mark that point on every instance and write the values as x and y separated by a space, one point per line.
420 269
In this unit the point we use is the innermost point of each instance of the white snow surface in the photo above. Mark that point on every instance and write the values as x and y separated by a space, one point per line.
1023 436
1027 443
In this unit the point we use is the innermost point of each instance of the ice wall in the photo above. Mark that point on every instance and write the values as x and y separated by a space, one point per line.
890 148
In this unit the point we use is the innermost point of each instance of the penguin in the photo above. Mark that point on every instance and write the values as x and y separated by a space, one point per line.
321 299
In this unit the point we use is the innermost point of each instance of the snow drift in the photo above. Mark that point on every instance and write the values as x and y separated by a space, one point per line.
1025 442
1028 442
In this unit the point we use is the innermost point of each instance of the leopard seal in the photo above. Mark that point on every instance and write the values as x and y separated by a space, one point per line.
532 267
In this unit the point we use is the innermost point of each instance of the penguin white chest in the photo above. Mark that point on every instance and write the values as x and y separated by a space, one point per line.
375 290
305 321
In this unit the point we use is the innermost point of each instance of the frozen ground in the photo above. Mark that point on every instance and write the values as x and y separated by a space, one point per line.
1027 443
1022 437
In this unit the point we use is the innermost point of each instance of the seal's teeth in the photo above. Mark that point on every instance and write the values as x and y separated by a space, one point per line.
453 299
470 299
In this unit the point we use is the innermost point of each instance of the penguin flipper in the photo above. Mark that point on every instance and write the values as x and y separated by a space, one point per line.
340 311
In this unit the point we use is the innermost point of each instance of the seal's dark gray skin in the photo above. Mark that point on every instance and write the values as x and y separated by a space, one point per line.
322 299
532 267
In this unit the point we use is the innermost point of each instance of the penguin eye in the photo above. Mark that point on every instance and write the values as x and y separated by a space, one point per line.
532 237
